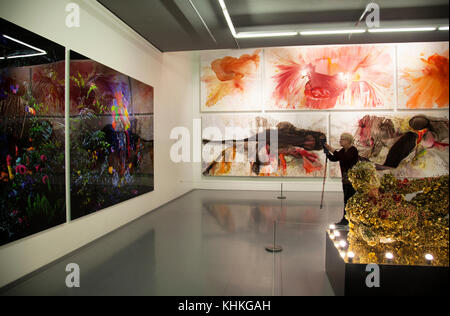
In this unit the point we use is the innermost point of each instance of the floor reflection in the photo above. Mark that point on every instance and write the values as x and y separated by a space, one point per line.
244 217
207 242
237 231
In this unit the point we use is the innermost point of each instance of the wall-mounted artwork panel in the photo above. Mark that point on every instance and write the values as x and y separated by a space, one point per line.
231 80
330 77
111 136
298 151
32 183
406 144
423 75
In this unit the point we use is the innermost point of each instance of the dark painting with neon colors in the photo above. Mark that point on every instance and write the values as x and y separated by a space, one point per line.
32 193
111 150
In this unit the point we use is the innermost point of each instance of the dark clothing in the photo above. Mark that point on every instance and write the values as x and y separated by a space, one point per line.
347 159
349 191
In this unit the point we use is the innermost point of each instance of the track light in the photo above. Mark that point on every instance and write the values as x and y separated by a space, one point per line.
429 257
389 256
350 256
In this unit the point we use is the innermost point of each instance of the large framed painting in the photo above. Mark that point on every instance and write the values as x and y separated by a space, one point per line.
276 145
423 75
406 144
231 80
32 183
330 77
111 150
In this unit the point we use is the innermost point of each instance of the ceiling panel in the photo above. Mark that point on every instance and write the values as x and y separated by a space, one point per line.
181 25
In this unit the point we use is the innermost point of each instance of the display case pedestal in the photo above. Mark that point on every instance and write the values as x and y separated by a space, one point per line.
349 279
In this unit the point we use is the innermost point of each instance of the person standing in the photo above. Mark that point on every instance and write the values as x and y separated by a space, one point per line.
348 157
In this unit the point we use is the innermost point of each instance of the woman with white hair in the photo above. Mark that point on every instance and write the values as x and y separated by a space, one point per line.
348 157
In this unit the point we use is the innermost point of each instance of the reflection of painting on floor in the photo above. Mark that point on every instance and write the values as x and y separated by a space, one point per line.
111 137
240 218
330 77
231 81
404 144
297 154
423 75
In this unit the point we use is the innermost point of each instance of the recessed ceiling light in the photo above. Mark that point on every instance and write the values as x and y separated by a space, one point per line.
24 56
41 51
250 34
222 4
331 32
227 17
264 34
318 32
403 29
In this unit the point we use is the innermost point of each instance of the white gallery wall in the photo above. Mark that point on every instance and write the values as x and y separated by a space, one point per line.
105 39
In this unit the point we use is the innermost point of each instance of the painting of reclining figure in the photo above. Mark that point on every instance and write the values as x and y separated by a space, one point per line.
32 185
278 145
409 144
111 136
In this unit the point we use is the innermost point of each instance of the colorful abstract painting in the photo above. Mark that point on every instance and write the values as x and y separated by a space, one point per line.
423 75
111 150
329 77
231 80
32 185
296 153
404 144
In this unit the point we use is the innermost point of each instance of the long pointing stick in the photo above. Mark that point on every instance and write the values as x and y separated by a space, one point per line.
324 178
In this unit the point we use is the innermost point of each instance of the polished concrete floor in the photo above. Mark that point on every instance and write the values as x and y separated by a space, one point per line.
206 242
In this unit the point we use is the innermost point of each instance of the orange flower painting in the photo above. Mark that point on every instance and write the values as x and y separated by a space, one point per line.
423 75
330 77
231 82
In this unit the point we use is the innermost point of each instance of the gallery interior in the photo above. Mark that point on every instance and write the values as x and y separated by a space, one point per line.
224 147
